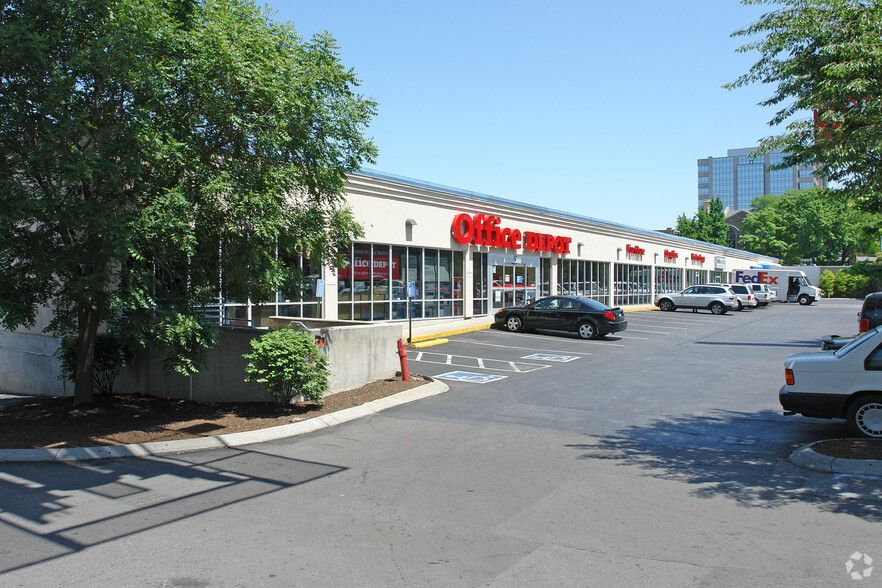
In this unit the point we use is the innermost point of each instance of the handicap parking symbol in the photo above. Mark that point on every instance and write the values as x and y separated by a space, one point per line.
547 357
470 377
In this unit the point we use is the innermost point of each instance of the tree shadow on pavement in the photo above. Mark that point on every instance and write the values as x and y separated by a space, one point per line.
51 509
742 456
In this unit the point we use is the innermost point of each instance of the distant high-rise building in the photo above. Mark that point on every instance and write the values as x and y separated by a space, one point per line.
740 177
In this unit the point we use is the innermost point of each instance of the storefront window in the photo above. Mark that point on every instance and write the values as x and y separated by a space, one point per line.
632 284
299 299
583 278
545 277
668 279
719 277
375 286
696 277
481 285
430 273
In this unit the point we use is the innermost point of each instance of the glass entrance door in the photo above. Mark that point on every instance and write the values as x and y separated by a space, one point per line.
514 284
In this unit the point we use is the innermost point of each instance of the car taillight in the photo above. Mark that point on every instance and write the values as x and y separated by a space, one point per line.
864 325
788 376
610 315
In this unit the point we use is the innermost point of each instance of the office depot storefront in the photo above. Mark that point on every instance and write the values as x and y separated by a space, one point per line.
457 254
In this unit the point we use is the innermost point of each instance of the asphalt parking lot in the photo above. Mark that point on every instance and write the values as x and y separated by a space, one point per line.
723 371
652 458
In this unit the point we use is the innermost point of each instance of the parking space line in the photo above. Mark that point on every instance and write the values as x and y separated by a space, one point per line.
650 332
581 341
477 362
527 348
656 324
667 322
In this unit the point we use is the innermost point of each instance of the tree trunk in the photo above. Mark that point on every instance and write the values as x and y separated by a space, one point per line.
87 323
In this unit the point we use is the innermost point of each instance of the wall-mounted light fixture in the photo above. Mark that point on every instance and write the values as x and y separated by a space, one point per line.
579 248
408 229
619 253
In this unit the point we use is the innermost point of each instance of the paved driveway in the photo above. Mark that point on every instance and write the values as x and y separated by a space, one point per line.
654 458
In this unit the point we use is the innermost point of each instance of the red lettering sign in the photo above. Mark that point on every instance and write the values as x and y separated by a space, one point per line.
634 250
671 254
697 257
485 230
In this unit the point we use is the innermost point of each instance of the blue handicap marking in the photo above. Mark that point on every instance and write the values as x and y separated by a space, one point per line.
470 377
547 357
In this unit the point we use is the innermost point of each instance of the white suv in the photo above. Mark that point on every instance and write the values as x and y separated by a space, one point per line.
745 296
714 297
762 293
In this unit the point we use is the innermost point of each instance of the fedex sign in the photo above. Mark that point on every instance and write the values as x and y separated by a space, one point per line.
755 278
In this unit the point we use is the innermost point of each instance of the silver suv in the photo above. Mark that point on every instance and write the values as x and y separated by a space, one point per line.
714 297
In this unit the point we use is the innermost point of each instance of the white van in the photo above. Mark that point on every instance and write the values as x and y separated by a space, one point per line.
789 285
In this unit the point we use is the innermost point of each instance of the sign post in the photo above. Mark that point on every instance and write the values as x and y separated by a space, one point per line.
411 292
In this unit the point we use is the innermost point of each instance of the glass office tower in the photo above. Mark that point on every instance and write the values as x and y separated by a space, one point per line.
740 177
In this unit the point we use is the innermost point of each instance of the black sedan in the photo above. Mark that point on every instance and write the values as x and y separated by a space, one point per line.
589 318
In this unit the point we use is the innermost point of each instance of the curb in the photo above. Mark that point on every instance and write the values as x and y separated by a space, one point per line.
229 440
808 458
450 333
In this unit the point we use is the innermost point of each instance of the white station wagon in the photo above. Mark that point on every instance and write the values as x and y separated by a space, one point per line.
844 384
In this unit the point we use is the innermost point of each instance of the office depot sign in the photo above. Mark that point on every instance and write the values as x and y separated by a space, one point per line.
485 230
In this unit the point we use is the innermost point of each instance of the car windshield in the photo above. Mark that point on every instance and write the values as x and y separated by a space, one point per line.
845 350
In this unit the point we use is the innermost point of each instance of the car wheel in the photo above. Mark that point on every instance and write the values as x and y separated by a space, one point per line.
514 324
804 300
665 305
718 308
865 417
740 306
587 330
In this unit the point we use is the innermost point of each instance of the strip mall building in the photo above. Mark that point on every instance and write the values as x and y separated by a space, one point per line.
458 255
463 255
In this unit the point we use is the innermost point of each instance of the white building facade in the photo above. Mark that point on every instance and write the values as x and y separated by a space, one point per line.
457 254
432 253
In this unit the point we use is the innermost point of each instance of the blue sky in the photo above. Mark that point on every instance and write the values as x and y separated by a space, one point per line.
595 108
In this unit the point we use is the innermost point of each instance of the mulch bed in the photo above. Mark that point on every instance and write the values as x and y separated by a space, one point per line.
128 418
850 448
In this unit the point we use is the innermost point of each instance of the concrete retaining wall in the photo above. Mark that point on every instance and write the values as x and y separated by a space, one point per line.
357 354
30 365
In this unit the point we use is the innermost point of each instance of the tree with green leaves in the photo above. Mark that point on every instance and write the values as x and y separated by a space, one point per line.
814 225
708 224
155 154
825 58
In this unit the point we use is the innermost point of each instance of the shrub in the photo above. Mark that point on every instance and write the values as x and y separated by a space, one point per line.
289 364
858 280
111 354
851 285
826 281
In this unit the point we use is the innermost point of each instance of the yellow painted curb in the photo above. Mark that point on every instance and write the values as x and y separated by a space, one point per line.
428 343
640 309
449 333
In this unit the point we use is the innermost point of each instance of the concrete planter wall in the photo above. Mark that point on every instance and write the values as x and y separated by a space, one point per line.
357 354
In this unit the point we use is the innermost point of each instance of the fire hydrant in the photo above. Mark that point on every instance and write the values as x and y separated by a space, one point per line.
402 355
